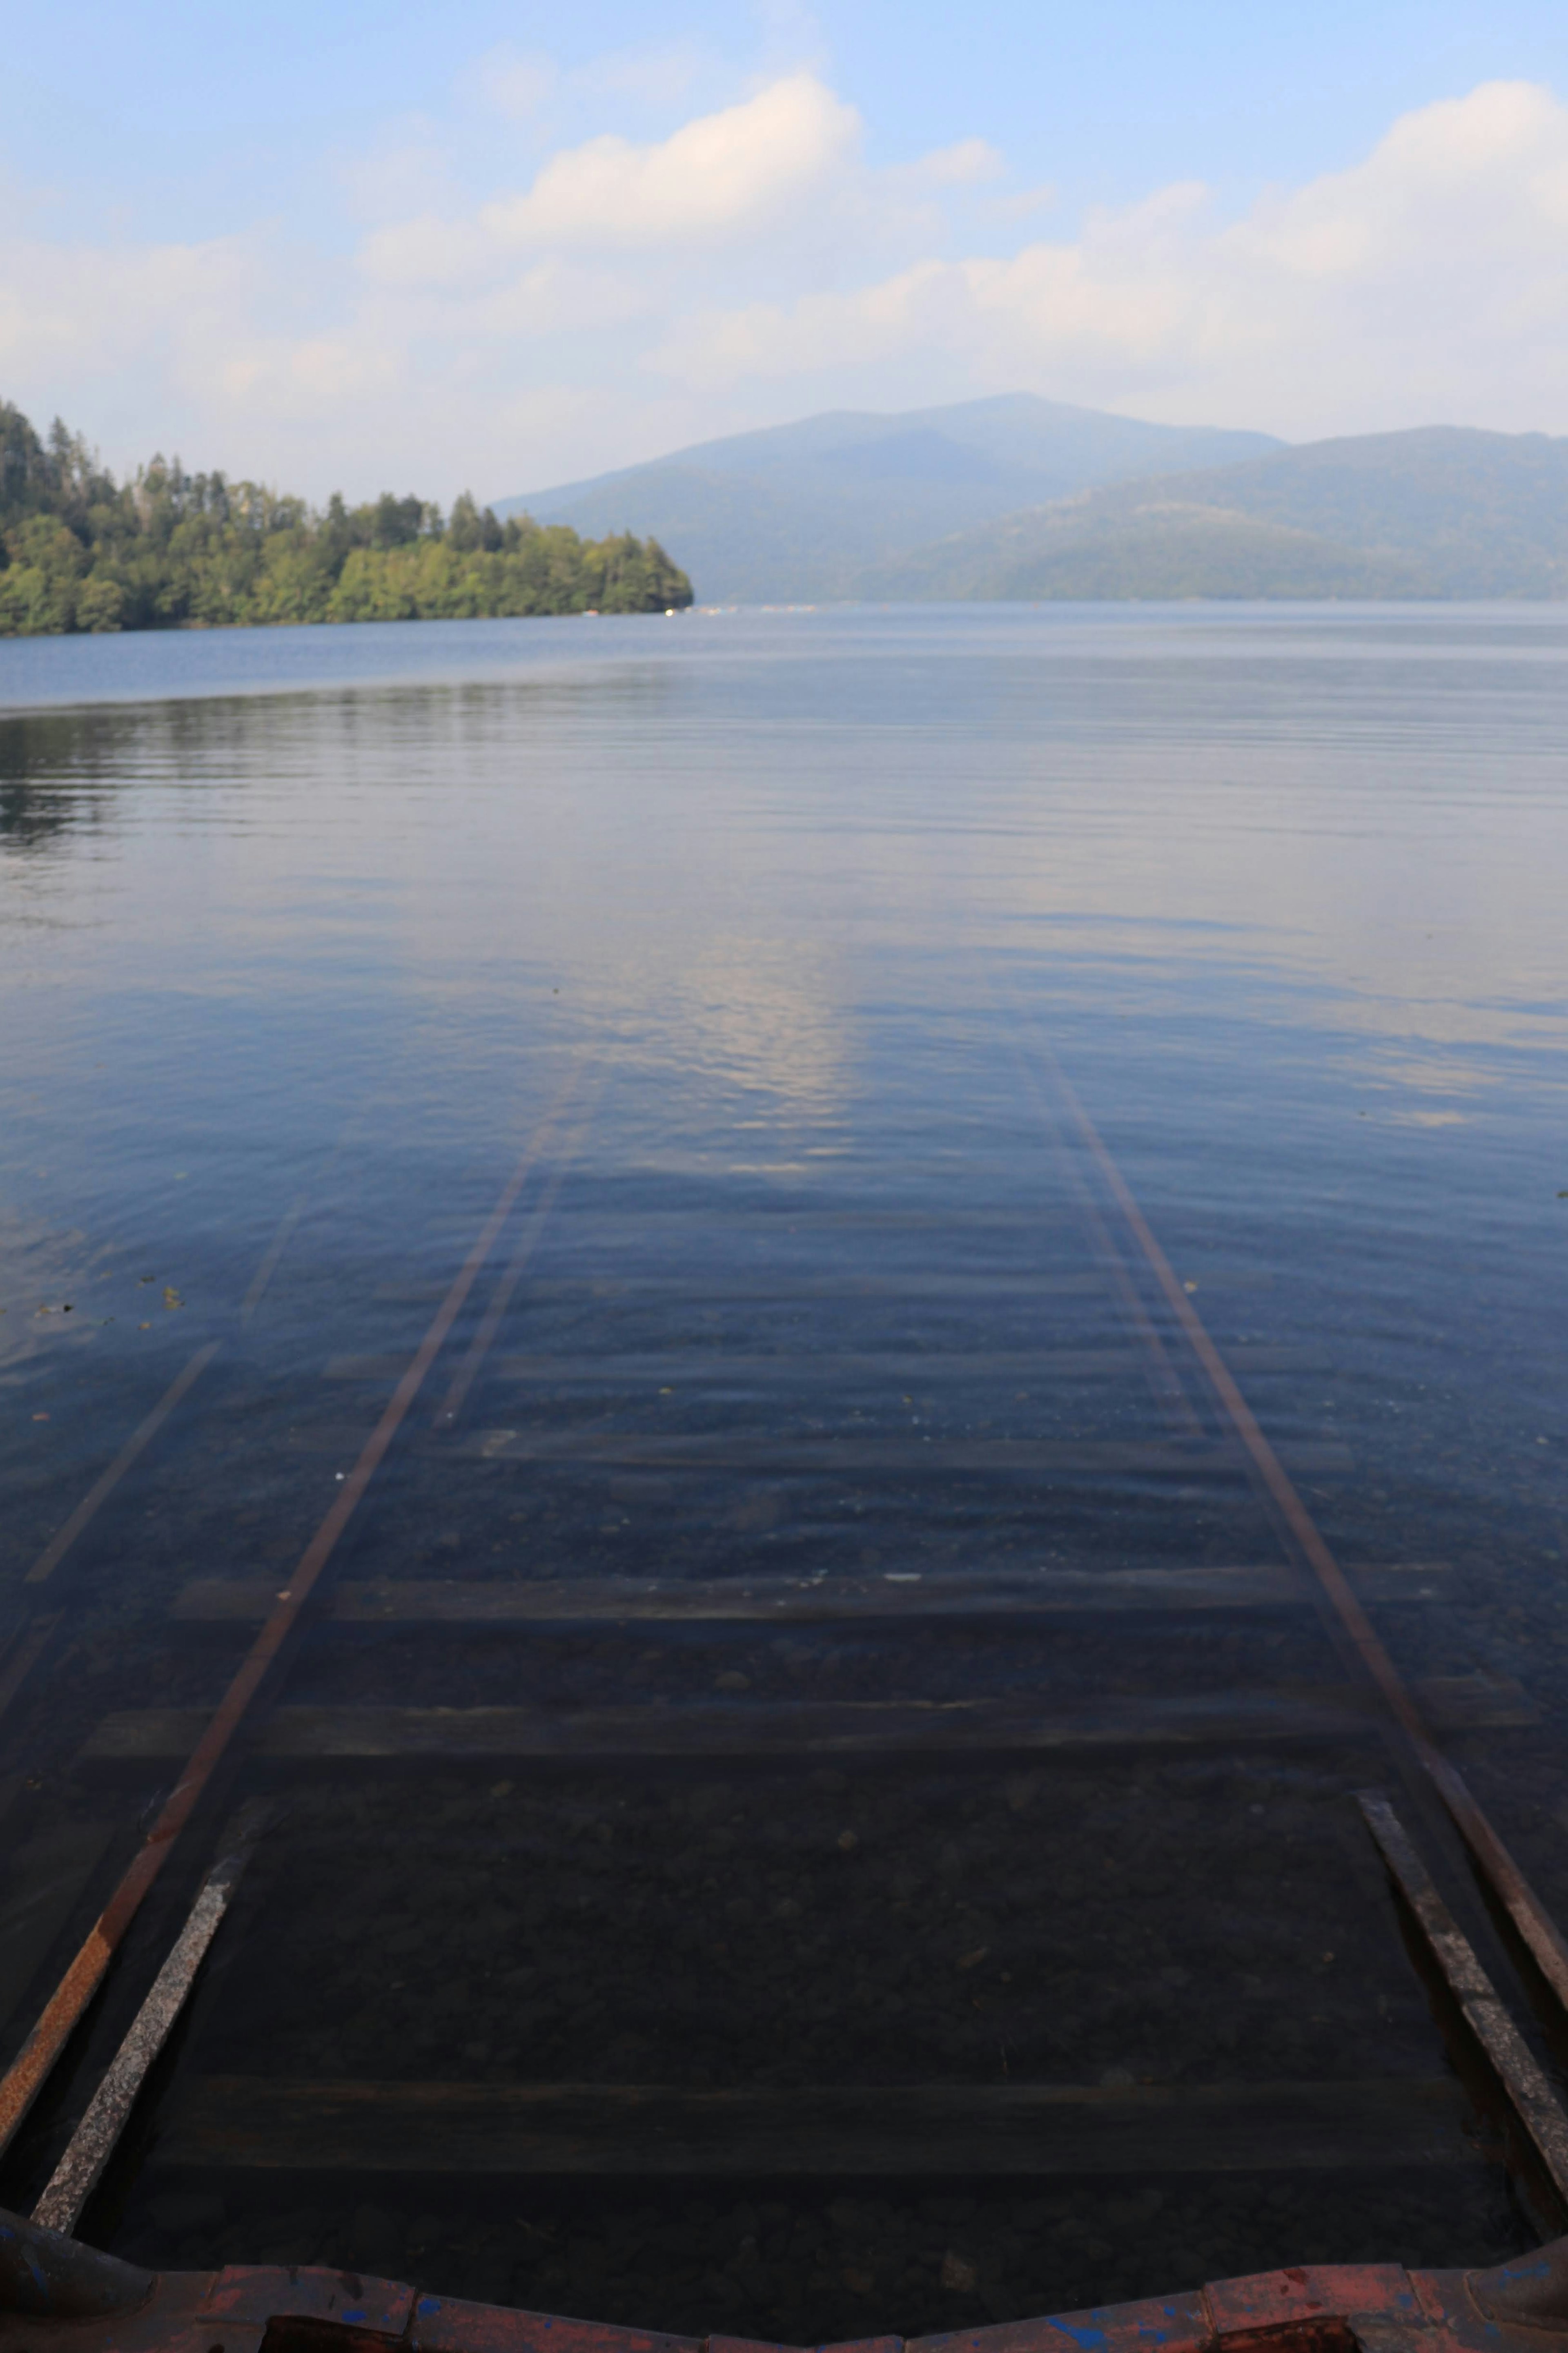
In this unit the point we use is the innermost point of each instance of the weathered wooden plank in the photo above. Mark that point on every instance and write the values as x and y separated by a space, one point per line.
231 2122
896 1595
1079 1283
755 1449
928 1365
785 1219
140 1740
696 1365
744 1451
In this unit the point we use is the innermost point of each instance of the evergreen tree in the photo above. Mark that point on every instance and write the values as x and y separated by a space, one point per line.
173 550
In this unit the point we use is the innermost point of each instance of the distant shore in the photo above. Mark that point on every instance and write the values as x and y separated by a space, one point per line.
82 555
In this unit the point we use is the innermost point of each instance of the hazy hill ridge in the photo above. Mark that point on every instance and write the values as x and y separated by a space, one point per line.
799 511
1439 512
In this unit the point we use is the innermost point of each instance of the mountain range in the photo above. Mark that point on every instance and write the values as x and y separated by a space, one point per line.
1020 498
799 512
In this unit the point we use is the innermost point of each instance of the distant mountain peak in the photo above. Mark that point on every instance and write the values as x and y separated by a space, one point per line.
798 511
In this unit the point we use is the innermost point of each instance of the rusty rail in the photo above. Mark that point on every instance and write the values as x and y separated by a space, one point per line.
1530 2094
92 2144
1532 2099
1539 1932
135 1446
29 2072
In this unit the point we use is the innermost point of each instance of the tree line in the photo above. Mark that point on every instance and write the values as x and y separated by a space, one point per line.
171 550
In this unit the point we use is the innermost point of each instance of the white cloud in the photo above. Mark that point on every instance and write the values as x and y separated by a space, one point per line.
722 180
1024 201
512 82
520 84
717 181
407 172
63 307
654 77
721 176
429 250
629 295
858 329
1430 281
961 165
558 297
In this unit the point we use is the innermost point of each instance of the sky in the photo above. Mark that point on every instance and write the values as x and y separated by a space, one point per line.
327 244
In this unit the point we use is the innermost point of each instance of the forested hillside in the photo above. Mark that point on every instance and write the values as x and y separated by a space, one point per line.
798 510
171 550
1438 511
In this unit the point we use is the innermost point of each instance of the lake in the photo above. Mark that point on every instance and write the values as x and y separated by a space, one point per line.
810 1639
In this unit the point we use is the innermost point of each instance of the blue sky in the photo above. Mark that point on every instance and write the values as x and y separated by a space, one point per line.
492 244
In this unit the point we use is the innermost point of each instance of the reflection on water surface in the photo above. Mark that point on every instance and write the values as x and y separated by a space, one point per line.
690 1703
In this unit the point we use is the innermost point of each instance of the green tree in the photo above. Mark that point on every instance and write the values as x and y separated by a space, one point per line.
173 550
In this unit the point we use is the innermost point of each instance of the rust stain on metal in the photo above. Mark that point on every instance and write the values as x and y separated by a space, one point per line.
56 2295
92 2142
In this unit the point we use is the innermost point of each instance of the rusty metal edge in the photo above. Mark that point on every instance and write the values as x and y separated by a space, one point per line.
59 2293
30 2070
92 2144
1534 1924
1530 2094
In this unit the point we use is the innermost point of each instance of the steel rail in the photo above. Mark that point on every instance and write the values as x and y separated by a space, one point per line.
104 1485
1170 1384
489 1325
97 1495
1169 1391
29 2072
1539 1932
1531 2097
92 2144
27 1646
272 1257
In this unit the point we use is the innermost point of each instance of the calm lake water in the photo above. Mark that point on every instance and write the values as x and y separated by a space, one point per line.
791 940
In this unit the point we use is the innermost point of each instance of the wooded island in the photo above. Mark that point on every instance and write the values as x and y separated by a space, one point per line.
171 550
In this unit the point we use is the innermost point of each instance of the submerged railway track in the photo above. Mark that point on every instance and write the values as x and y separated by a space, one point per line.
788 1874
